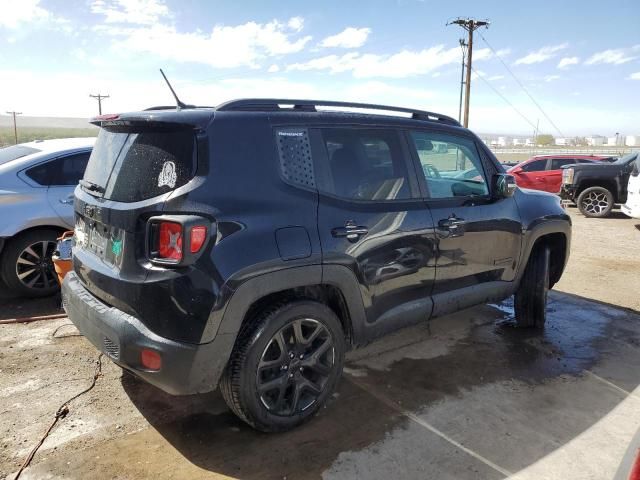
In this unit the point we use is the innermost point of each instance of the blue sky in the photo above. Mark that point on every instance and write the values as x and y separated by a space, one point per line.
580 60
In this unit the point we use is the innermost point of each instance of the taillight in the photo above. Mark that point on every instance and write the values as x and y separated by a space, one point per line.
177 240
170 241
198 236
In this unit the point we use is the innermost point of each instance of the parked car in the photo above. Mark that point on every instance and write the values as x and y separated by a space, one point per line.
596 188
632 207
544 172
250 245
36 205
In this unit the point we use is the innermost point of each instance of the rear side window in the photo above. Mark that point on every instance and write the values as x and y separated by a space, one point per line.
365 164
135 165
61 171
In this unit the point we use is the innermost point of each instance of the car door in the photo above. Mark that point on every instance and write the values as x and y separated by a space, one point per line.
372 221
553 176
60 176
478 235
531 174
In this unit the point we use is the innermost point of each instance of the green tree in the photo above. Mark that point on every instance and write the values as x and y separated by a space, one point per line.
545 139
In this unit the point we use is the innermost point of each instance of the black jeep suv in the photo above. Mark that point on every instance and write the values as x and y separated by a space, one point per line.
596 187
252 244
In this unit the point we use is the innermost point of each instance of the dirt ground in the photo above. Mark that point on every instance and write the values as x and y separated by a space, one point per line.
466 396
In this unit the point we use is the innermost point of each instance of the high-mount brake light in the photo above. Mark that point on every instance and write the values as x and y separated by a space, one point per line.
198 237
170 241
107 116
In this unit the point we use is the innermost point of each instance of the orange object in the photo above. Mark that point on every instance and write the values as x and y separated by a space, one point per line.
62 256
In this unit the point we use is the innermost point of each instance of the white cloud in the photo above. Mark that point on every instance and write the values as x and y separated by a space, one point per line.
225 47
140 12
273 68
496 77
616 56
15 13
566 61
350 37
634 76
545 53
296 24
403 64
551 78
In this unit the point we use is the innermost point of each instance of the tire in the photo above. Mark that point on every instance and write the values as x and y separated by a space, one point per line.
274 385
595 202
530 303
25 251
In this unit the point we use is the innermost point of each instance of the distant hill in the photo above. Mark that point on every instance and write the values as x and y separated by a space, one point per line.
46 122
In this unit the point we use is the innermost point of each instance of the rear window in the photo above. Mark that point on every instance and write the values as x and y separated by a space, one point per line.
7 154
129 166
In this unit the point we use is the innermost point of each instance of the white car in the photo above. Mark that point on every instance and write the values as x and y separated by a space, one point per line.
37 180
632 207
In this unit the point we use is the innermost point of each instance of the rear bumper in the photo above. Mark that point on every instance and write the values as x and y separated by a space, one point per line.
186 368
630 211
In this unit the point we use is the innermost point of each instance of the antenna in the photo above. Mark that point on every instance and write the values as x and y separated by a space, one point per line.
178 101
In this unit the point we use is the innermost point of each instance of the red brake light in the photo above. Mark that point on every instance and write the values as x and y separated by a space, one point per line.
198 237
107 117
170 241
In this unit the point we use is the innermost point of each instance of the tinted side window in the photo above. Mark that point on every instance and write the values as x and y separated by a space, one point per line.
558 163
535 166
584 161
61 171
451 165
365 164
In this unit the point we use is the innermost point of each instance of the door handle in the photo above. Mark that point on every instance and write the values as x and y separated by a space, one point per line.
350 230
67 201
453 225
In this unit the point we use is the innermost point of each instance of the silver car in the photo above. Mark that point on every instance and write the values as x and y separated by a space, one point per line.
37 180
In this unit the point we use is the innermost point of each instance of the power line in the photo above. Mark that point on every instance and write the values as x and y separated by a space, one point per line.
15 128
521 85
99 98
503 98
470 25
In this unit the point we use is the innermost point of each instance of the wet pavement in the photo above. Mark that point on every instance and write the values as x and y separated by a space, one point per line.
465 396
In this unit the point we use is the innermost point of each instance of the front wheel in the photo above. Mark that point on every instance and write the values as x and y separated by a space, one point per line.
530 302
285 364
595 202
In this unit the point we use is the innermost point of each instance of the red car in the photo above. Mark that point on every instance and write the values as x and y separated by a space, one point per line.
543 172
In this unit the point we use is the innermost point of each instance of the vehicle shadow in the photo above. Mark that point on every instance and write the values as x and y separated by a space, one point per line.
416 370
22 307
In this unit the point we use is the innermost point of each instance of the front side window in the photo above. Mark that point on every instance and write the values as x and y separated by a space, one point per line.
558 163
450 164
365 164
535 166
61 171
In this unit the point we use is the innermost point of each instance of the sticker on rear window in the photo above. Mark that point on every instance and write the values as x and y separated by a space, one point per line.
167 175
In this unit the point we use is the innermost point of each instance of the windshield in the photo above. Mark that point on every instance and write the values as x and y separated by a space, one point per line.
7 154
135 165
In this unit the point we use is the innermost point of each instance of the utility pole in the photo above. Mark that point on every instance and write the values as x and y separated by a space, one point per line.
99 98
470 25
462 46
15 128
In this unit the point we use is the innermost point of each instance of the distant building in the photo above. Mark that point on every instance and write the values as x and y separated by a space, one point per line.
632 140
528 142
595 140
502 141
563 142
517 142
616 141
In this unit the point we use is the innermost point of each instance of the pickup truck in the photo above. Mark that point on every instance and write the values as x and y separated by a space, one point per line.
596 187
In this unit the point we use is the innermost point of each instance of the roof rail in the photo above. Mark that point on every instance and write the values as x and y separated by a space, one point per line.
274 105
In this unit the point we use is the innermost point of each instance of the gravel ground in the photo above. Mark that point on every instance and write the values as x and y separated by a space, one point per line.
375 425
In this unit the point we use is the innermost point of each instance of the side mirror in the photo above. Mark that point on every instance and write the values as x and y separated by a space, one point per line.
504 185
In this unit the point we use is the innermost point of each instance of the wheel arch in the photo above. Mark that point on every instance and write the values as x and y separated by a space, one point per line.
608 184
558 239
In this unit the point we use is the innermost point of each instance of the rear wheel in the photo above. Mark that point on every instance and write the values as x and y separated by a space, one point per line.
595 202
27 268
530 302
286 363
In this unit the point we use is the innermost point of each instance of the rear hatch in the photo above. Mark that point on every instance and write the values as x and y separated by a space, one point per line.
136 165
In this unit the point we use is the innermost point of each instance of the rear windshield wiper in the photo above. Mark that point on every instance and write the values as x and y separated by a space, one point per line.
94 187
